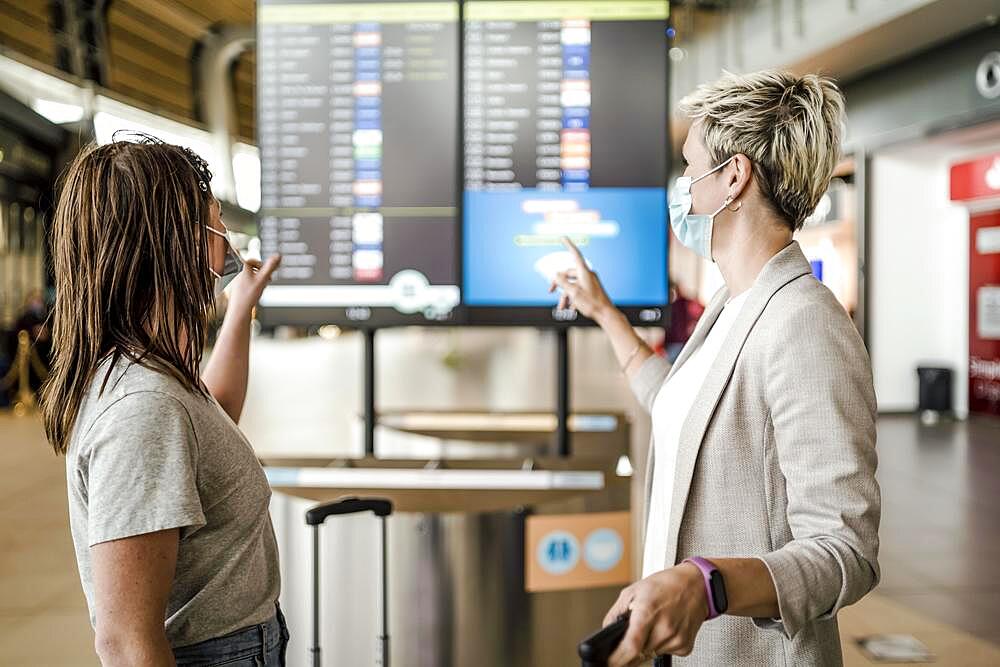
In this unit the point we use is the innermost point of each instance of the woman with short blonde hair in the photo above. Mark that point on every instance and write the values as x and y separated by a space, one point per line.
762 509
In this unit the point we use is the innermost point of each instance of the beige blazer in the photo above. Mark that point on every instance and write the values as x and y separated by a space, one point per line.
777 460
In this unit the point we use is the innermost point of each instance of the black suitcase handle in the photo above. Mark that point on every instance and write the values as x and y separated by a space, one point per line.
595 650
378 506
315 517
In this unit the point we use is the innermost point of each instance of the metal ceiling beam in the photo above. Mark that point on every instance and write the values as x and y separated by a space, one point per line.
81 36
215 97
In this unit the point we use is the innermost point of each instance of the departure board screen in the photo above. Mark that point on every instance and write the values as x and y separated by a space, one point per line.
565 134
358 131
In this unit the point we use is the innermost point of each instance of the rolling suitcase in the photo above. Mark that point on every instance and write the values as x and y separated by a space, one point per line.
595 650
315 517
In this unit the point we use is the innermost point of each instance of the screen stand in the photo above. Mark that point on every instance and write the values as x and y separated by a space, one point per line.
562 392
369 389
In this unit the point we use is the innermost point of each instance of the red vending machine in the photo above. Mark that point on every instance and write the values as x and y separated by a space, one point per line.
977 184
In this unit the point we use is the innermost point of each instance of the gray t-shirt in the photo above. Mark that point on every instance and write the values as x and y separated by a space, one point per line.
148 455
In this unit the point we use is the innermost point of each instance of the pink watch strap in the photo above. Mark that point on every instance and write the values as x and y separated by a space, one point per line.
706 569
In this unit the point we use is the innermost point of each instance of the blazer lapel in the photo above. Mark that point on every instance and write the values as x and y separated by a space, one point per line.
701 330
784 267
705 323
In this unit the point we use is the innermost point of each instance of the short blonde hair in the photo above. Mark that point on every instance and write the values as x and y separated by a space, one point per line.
789 127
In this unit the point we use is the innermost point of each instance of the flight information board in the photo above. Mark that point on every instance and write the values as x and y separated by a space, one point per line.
358 131
565 108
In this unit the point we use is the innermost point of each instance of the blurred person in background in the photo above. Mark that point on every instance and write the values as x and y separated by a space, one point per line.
762 508
168 504
34 319
684 315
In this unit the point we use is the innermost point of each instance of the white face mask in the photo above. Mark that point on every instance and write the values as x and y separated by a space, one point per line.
693 230
232 266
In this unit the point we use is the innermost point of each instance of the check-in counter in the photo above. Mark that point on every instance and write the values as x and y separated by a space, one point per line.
464 485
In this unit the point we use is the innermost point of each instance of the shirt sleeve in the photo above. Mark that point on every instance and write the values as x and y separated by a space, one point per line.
141 469
648 379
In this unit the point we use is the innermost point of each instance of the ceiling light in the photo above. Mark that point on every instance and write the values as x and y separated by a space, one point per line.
58 112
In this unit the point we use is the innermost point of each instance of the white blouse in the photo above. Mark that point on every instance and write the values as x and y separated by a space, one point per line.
670 411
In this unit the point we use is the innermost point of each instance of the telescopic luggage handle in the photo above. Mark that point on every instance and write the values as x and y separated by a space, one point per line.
315 517
378 506
595 650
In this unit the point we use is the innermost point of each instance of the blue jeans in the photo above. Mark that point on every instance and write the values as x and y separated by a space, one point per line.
261 645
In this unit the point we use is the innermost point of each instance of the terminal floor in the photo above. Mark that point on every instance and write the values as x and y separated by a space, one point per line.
940 547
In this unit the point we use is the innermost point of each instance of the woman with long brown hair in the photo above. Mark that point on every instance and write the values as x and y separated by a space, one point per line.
168 504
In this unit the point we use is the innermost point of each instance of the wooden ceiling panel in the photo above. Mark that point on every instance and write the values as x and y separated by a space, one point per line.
245 74
25 27
160 63
246 128
218 11
150 46
124 22
33 14
157 86
244 85
152 103
167 14
155 91
245 97
149 53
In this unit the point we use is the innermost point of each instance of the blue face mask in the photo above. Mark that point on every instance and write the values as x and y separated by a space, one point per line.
693 230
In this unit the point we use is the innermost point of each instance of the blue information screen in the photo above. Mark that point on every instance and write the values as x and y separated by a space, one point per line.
564 135
512 245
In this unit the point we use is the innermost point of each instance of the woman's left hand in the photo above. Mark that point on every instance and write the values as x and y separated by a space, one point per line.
666 612
245 290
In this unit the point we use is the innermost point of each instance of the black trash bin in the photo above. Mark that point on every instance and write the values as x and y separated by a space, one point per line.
935 392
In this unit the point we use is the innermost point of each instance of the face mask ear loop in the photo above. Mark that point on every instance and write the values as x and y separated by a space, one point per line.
212 230
725 204
713 170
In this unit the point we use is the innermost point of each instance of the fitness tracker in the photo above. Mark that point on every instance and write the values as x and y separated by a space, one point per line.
715 586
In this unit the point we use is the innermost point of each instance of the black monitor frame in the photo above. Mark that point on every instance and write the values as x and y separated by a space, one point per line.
363 317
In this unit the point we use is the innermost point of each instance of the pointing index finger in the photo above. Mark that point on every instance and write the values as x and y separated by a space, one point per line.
269 267
580 262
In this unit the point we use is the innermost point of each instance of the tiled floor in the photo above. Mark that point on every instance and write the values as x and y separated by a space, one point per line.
940 547
941 520
43 614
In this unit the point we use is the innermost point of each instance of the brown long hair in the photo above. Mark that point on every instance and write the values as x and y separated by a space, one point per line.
131 267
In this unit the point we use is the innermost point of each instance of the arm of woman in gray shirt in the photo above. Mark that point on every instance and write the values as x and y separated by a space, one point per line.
228 368
132 580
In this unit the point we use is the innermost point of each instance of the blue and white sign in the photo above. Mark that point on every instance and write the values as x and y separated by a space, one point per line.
558 552
603 549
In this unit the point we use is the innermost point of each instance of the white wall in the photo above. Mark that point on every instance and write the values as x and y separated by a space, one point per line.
919 272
